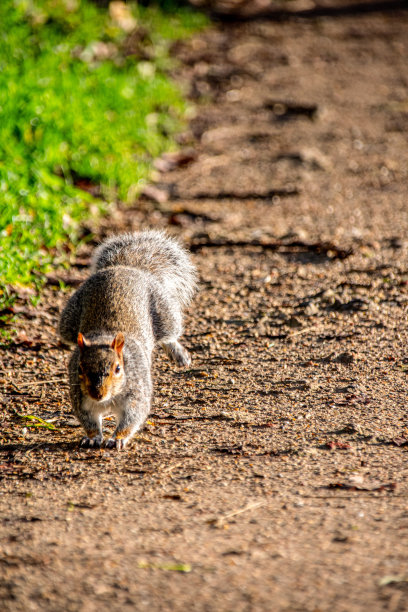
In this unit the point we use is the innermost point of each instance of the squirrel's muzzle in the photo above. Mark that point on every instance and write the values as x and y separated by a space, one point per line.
96 387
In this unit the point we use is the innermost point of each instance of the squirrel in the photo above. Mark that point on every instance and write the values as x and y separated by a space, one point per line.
132 300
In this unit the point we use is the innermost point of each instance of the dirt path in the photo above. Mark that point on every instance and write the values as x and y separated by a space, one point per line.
272 475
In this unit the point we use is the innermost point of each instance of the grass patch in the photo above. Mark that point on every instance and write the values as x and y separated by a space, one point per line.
80 99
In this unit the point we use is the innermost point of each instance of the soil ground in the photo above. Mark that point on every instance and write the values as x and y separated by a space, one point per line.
272 475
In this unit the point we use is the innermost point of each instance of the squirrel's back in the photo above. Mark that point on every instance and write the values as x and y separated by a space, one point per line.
154 252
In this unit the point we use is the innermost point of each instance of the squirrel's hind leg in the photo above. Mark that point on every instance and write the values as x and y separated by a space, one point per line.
167 327
176 351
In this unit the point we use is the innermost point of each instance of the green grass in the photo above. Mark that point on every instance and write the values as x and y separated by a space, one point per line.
65 112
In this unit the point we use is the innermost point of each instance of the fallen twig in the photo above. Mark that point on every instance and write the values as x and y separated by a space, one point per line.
41 382
389 486
170 468
322 248
301 331
233 195
220 519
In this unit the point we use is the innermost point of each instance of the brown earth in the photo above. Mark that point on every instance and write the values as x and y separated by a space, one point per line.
273 474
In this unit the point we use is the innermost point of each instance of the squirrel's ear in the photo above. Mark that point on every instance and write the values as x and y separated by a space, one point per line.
81 341
118 342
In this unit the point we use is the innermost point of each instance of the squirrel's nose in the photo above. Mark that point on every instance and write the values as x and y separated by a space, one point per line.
95 387
96 393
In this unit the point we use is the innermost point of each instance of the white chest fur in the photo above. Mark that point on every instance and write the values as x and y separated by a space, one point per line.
101 409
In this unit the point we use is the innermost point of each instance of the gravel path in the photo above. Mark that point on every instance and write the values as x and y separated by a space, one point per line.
272 475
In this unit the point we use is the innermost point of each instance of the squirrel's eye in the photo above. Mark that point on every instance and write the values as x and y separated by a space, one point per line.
117 369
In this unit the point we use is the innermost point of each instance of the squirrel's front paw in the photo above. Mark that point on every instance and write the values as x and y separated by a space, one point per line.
117 443
95 442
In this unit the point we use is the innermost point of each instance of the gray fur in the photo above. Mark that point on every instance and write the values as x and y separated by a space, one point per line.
154 252
139 284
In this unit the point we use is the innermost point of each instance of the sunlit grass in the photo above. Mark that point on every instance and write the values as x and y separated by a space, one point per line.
73 106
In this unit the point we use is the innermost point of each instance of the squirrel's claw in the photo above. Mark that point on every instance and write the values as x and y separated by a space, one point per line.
117 443
184 360
95 442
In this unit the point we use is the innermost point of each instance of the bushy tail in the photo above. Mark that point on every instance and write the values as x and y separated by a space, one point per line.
152 251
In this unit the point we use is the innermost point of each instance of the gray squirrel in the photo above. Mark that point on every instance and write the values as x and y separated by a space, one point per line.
132 301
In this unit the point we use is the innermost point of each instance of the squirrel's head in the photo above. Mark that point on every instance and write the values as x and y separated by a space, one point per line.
100 370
